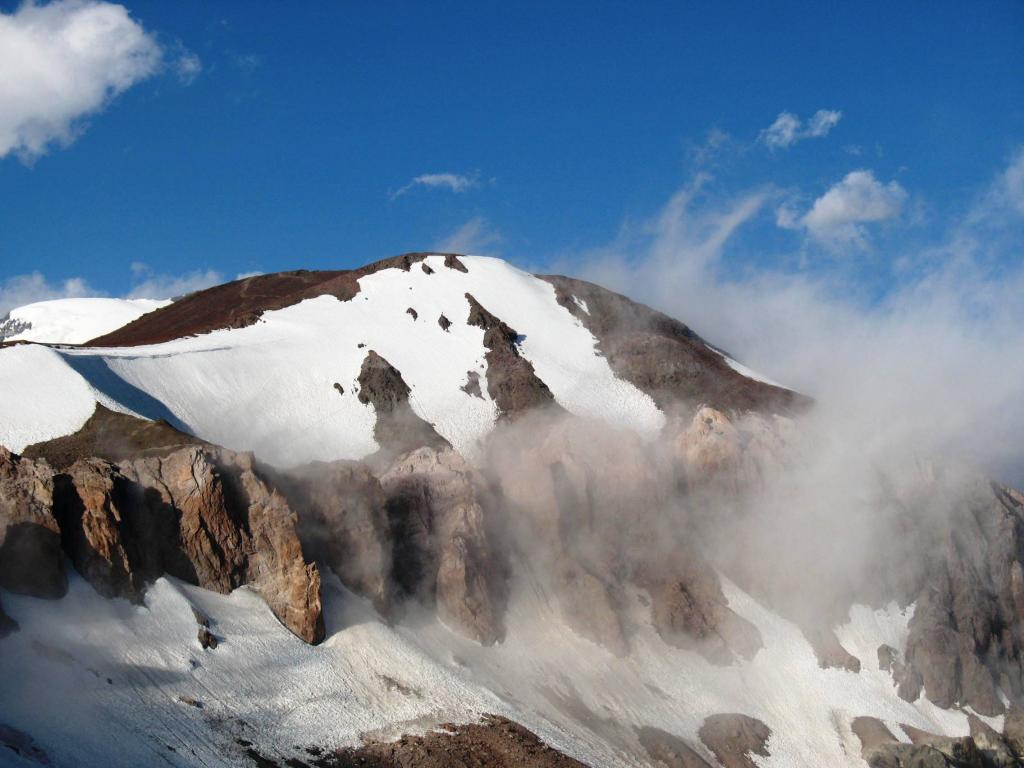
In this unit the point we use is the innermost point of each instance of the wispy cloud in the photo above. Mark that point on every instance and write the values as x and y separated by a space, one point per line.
150 285
62 62
187 67
19 290
788 129
837 218
474 237
454 182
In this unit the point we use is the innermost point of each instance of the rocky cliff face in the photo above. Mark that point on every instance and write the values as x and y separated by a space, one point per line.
31 561
966 637
440 545
200 514
597 513
343 522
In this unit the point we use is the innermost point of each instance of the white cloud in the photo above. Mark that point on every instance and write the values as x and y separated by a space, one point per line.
788 128
452 181
61 62
821 122
187 67
19 290
162 286
836 219
473 237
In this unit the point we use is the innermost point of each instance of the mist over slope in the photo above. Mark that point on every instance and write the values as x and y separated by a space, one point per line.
508 494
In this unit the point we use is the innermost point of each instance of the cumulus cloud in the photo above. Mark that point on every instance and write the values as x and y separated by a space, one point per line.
788 129
837 218
454 182
476 236
60 63
19 290
932 368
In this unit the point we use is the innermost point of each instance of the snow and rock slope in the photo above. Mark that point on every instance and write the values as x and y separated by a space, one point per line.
514 489
270 386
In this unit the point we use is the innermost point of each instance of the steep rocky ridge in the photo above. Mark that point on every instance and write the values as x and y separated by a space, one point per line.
511 380
664 357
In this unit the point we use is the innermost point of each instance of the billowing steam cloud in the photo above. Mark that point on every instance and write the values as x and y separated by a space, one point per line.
935 366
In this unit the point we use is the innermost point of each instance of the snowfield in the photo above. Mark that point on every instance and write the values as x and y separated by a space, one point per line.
73 321
269 388
85 673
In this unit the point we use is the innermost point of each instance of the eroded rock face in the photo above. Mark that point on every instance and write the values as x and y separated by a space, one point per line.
200 514
966 635
31 561
880 749
599 517
343 522
441 551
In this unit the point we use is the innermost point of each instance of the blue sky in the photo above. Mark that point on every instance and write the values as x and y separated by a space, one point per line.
283 144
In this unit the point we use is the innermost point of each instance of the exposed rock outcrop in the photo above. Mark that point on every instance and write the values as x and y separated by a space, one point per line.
511 381
966 637
31 561
472 385
494 742
597 515
442 554
398 427
200 514
668 750
112 436
452 261
343 522
733 738
662 356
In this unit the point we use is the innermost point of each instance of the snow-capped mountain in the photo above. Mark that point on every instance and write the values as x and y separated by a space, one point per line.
73 321
310 518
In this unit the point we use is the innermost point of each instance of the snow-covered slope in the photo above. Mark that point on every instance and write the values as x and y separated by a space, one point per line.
72 321
85 673
270 387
